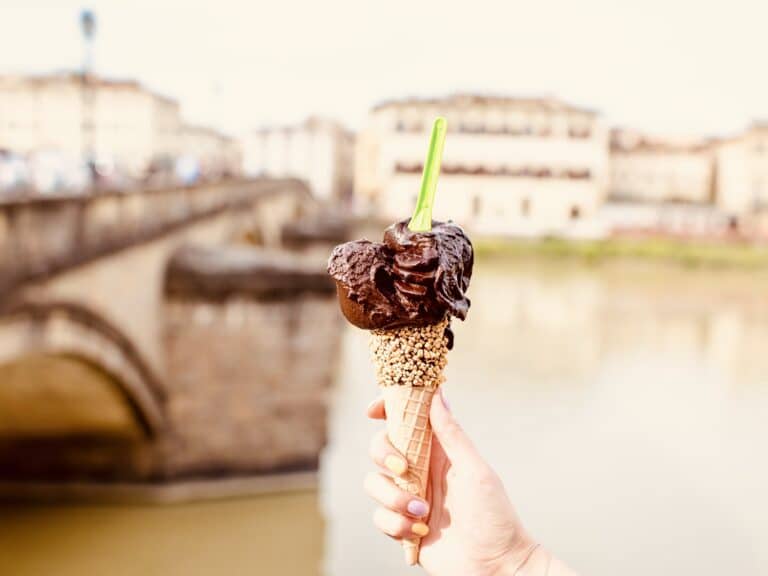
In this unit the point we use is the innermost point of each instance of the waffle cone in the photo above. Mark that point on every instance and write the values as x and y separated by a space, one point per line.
410 433
409 368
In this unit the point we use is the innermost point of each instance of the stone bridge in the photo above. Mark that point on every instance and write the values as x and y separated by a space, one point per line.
154 334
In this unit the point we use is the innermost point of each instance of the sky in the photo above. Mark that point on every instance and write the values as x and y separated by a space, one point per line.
678 67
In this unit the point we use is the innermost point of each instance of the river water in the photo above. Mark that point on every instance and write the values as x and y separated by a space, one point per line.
624 405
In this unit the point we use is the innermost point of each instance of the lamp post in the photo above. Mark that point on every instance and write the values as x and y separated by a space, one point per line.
88 29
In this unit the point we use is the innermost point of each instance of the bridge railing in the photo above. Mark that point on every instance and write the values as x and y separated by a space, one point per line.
40 236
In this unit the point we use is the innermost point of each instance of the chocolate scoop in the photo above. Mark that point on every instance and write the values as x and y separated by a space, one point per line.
410 279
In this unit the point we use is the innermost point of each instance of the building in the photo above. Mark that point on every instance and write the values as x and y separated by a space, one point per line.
742 172
215 154
653 170
319 151
511 166
127 127
120 121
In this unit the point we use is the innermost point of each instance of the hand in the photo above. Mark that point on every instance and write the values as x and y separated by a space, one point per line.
470 527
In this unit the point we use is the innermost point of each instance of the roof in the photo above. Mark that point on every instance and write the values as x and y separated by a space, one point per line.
758 128
198 129
467 100
660 147
309 123
66 77
624 141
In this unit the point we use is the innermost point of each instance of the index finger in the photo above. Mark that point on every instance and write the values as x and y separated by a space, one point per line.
376 409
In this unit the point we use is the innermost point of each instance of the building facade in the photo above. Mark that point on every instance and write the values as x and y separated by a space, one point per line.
319 151
215 154
653 170
742 172
511 166
120 123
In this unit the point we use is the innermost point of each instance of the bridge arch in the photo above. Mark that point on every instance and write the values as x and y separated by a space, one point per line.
69 330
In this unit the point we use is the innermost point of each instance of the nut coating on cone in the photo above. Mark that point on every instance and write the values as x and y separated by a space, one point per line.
409 368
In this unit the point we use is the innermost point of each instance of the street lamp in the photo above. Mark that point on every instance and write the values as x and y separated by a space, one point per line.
88 29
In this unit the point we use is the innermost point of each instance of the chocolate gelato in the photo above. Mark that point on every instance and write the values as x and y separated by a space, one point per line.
410 279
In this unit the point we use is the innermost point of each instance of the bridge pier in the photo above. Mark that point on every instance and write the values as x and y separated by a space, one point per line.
252 336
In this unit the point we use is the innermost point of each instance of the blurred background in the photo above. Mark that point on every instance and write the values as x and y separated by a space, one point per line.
178 391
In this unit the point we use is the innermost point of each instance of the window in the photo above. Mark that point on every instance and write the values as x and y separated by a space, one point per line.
575 213
579 132
757 188
477 206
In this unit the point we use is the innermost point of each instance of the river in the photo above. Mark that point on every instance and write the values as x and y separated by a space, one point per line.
624 406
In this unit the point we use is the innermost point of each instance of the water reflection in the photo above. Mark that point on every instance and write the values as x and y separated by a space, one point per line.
623 406
567 321
275 535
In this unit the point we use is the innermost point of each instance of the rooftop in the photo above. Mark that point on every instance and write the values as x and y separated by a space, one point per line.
67 77
309 124
200 130
468 100
629 141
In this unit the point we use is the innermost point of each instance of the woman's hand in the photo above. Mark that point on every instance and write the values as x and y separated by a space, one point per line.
469 525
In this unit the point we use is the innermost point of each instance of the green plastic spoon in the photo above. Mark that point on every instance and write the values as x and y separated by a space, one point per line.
421 221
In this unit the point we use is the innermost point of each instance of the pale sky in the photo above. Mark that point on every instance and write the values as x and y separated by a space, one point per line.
674 66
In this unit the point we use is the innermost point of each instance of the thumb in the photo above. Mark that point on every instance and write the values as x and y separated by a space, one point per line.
455 442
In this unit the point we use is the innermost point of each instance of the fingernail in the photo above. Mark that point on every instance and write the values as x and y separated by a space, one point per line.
420 529
395 464
417 508
372 402
445 400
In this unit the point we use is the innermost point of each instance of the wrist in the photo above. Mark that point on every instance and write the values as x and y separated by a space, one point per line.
530 560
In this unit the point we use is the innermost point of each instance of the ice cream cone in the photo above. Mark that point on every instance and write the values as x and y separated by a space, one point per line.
409 367
409 432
